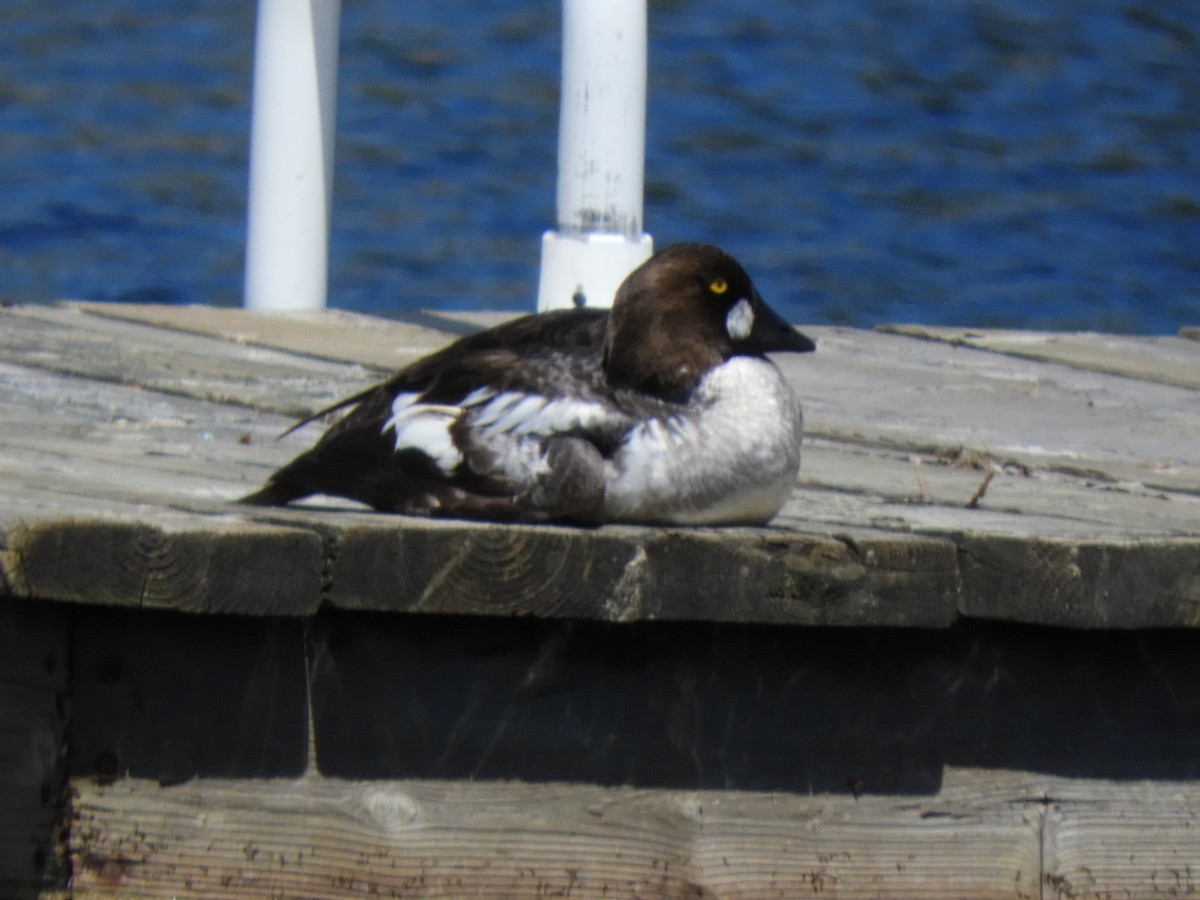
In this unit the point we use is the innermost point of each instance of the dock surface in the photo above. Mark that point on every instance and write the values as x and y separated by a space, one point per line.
1039 478
962 662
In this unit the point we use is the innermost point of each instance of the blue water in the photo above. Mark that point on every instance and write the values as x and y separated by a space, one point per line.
1016 163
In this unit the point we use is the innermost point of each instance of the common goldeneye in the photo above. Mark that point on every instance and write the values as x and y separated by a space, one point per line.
663 410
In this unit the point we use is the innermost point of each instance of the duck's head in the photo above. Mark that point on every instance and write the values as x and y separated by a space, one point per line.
687 309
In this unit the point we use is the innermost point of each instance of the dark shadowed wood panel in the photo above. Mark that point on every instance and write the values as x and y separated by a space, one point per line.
797 709
170 696
33 773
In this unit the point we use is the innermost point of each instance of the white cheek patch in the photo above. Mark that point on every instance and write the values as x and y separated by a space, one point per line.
425 427
740 320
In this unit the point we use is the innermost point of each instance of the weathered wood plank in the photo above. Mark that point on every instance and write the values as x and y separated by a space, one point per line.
622 573
329 334
221 567
931 493
936 398
318 838
33 682
68 341
1101 584
101 475
1105 839
982 837
1167 360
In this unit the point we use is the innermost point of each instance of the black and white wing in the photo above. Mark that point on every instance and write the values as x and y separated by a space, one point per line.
483 429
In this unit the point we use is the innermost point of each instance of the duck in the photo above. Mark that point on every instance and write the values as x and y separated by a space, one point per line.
663 410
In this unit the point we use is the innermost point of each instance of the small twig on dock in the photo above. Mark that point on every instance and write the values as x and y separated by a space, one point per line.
973 503
921 489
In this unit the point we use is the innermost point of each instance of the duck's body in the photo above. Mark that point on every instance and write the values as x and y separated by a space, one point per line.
665 410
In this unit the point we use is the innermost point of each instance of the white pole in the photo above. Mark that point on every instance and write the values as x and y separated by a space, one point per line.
291 154
601 155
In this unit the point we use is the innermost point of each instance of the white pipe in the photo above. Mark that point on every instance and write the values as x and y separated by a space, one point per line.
601 155
291 154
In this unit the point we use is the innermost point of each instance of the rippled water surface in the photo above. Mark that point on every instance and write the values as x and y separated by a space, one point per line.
1017 163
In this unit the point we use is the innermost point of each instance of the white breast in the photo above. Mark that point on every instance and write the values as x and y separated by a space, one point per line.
732 456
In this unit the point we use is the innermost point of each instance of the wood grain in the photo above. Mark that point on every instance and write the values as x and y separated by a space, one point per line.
1082 583
989 834
71 342
1168 360
221 569
1122 840
625 574
318 838
328 334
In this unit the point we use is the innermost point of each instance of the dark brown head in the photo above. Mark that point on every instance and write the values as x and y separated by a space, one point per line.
685 310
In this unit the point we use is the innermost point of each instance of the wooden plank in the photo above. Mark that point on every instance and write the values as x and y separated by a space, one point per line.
96 438
1122 840
326 334
74 459
33 682
169 696
875 387
1089 584
673 705
68 341
938 399
219 567
1167 360
650 704
930 493
981 837
101 476
318 838
621 573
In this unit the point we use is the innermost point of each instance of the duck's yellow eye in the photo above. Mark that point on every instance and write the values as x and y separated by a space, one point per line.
718 285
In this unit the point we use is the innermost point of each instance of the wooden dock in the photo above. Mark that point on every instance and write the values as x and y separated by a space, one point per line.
963 662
